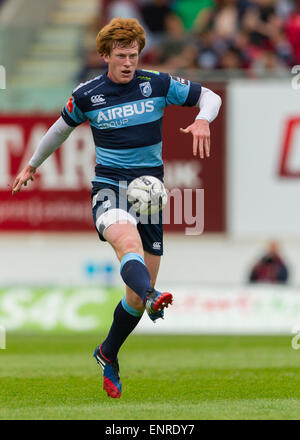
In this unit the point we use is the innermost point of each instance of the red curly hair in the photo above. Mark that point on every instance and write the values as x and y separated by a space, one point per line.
120 31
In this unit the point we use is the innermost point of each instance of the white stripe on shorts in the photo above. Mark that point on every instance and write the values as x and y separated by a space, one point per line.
113 216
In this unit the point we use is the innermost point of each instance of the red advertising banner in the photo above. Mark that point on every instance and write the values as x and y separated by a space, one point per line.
183 170
59 198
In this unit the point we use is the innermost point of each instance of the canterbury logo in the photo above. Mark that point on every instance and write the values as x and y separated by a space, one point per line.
98 99
157 245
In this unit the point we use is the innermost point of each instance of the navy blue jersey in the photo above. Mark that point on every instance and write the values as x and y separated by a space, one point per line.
126 120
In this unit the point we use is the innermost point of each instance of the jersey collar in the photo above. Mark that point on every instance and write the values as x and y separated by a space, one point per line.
119 85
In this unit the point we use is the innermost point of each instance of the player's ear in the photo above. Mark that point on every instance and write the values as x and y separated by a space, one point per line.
106 57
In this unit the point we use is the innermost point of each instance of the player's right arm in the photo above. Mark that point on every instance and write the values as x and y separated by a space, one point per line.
71 117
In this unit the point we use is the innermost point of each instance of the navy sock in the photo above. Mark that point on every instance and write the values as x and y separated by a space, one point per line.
135 274
125 320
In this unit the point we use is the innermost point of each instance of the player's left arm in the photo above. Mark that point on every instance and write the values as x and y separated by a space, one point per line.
209 104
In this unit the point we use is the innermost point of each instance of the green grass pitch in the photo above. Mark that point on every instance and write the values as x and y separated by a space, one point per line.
164 378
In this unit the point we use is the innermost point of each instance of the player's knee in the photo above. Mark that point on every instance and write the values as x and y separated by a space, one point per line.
129 243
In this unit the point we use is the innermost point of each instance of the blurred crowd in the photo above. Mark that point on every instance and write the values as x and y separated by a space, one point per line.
258 36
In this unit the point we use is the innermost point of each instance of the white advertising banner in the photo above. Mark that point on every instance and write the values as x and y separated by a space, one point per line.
260 309
263 159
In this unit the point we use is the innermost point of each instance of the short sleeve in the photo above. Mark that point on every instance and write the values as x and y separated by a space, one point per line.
183 92
72 114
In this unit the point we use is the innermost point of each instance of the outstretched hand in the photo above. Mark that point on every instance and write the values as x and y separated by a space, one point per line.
201 137
22 178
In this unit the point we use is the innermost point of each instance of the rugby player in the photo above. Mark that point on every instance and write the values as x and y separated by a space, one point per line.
124 108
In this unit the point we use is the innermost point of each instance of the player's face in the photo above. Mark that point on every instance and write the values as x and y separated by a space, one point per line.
122 63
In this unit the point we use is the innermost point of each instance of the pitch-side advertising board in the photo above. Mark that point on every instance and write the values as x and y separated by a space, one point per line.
203 309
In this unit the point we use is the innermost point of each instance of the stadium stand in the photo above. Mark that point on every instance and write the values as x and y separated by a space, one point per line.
217 39
50 58
241 37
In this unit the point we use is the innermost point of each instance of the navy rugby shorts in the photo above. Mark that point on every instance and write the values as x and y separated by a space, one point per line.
110 204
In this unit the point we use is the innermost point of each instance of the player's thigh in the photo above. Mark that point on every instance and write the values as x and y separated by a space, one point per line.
124 238
112 220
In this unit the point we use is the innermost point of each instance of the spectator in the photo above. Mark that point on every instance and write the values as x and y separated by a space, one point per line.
226 20
270 268
256 28
194 12
208 57
155 14
231 59
178 50
119 8
247 51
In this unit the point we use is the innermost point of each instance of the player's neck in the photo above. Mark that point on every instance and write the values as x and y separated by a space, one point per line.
116 81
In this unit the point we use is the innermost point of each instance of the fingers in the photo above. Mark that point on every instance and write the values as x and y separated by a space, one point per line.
17 185
201 141
195 145
207 146
201 150
203 144
14 189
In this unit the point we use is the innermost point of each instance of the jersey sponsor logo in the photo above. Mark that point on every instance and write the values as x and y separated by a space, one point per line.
180 80
117 116
70 105
147 78
98 99
146 89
